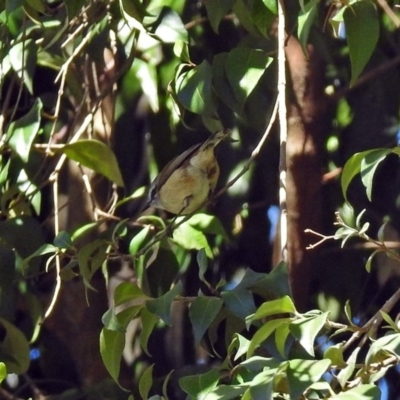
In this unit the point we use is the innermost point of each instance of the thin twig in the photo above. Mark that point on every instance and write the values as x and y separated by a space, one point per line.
283 128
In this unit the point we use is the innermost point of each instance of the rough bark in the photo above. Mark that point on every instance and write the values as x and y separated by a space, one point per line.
306 132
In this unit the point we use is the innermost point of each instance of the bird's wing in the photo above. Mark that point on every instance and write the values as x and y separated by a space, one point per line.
174 164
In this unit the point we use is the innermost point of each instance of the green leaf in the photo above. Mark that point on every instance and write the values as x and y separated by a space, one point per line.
281 334
23 132
368 264
133 8
383 348
216 10
202 312
306 330
73 7
242 345
346 373
279 306
226 392
262 386
208 224
3 372
198 386
303 373
264 332
194 90
239 302
63 240
23 61
221 84
203 264
351 169
146 74
369 164
97 156
146 382
14 348
244 68
389 320
181 50
149 321
112 344
258 363
305 20
362 32
127 291
162 305
91 258
140 240
41 251
165 25
335 354
191 238
362 392
162 271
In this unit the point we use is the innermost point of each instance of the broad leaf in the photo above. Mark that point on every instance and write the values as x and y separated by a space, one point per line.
279 306
202 312
97 156
244 68
239 302
197 386
149 321
306 330
23 132
362 392
194 91
146 382
111 347
303 373
362 32
162 305
264 332
216 10
14 348
305 20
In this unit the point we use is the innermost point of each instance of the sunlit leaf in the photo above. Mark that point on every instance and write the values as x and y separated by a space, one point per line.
264 332
305 20
346 373
199 385
279 306
194 90
244 68
23 131
303 373
23 61
306 330
97 156
3 371
362 392
166 25
369 164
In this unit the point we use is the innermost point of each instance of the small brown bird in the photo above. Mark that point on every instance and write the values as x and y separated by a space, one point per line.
187 181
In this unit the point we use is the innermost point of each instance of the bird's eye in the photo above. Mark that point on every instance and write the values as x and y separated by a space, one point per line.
152 193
